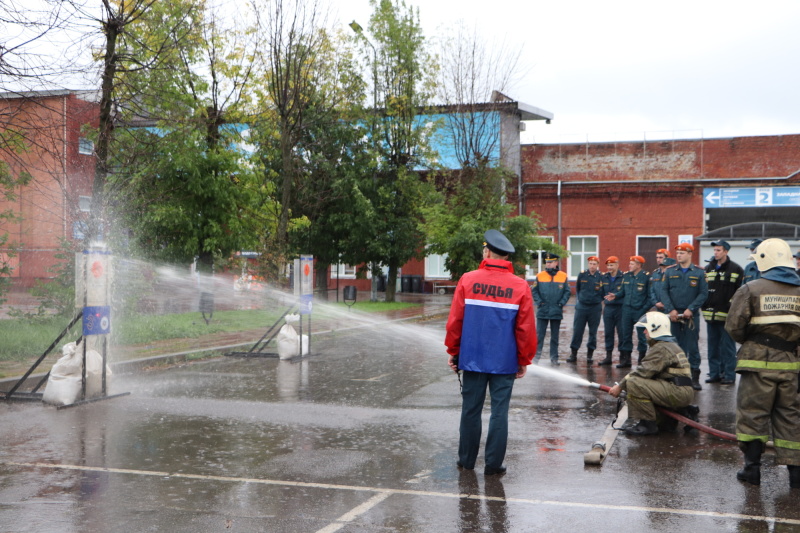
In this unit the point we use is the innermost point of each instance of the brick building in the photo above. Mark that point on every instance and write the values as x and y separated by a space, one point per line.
47 127
631 198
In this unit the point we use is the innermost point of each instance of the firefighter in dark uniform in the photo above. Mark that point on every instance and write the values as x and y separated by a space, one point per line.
683 291
550 293
588 308
765 318
797 261
724 277
663 260
612 308
751 271
636 301
662 378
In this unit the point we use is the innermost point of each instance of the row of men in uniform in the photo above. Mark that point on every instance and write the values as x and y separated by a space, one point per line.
677 287
492 337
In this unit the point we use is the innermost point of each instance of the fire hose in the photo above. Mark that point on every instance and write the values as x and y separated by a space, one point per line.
680 418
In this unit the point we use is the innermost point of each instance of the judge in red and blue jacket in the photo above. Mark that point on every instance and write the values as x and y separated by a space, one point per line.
491 336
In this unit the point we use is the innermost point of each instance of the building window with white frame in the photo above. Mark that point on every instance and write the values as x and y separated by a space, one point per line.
434 267
580 247
85 146
343 271
84 204
532 270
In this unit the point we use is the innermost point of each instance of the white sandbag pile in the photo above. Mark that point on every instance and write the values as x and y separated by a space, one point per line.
64 384
289 342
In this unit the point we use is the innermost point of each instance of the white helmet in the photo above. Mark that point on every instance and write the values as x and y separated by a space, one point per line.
773 253
658 324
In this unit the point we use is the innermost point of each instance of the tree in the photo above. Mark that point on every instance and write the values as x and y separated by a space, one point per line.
472 197
404 76
182 183
290 60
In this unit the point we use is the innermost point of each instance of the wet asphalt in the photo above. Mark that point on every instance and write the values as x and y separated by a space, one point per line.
360 436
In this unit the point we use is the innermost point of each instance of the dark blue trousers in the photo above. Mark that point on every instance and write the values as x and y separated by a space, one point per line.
589 314
721 351
541 330
473 394
629 317
688 336
612 321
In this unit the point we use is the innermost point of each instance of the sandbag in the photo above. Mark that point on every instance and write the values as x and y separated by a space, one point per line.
288 342
64 383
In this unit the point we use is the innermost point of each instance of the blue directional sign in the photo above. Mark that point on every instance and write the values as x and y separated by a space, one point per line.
752 197
96 320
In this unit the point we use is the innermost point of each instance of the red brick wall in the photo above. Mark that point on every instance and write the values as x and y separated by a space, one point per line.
649 188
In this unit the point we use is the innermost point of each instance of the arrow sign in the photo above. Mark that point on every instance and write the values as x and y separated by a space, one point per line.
712 198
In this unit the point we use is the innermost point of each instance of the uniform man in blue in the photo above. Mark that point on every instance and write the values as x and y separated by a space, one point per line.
663 260
491 336
724 278
588 308
751 271
550 293
683 291
635 295
612 309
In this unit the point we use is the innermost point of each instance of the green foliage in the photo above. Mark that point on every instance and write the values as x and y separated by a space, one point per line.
471 203
57 295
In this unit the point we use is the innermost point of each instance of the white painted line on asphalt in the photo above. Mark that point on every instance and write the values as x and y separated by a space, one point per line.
355 513
409 492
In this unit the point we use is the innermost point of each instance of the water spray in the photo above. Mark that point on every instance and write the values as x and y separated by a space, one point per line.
605 388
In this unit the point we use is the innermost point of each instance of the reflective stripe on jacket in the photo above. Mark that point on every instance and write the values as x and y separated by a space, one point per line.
491 327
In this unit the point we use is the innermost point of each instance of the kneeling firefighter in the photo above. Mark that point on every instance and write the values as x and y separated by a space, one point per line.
663 378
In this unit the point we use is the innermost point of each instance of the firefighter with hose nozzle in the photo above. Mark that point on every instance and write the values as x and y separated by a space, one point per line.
662 379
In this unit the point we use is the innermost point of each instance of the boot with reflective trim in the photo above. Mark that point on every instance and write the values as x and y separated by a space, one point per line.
794 476
573 358
644 427
607 360
624 359
696 379
751 473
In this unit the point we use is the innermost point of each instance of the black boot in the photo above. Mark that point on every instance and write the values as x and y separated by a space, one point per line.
573 358
644 427
794 476
751 473
589 356
641 356
607 360
696 379
624 359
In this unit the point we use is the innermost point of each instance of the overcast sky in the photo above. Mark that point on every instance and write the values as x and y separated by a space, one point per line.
628 70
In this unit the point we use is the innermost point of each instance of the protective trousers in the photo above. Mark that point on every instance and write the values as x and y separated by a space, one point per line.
644 394
473 394
770 397
586 315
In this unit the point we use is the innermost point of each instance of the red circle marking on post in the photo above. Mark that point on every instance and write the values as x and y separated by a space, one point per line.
97 269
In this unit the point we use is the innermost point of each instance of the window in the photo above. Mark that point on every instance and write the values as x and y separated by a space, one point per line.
580 249
531 270
434 266
343 271
85 146
85 203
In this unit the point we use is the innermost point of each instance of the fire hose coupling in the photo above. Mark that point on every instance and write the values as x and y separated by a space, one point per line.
599 444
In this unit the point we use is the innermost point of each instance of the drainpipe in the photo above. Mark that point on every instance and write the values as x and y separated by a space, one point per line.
559 211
